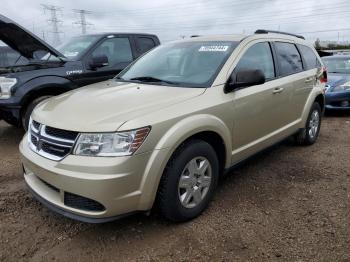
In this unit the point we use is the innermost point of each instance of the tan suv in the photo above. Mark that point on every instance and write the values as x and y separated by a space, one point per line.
170 124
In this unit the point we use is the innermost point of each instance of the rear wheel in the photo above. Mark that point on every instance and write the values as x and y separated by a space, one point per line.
28 111
189 181
309 134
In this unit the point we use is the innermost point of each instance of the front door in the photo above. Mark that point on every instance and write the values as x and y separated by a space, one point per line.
119 53
258 110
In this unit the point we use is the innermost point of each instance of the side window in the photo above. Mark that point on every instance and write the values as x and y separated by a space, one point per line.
144 44
117 50
289 58
258 56
310 59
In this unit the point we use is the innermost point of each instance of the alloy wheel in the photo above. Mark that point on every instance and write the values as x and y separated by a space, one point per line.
314 124
194 182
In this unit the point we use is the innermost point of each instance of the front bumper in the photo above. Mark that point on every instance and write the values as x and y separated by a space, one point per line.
10 115
10 110
338 100
110 184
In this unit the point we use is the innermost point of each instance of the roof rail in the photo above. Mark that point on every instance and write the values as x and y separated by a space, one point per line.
263 31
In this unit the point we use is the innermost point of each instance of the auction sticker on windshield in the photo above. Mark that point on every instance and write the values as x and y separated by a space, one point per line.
214 48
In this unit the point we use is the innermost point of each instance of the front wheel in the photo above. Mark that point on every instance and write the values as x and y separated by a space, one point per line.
309 134
189 181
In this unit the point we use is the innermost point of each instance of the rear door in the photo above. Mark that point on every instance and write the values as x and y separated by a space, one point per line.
118 50
312 66
291 72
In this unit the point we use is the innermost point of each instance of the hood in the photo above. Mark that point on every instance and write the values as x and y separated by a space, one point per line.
21 40
104 107
335 79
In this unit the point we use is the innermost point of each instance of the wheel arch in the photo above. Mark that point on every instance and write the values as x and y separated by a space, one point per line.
316 96
207 127
320 99
43 86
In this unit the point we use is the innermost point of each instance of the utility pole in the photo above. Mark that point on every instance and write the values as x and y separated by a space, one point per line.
82 19
54 21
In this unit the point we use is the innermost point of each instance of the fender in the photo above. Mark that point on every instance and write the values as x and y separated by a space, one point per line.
310 100
42 82
167 145
58 85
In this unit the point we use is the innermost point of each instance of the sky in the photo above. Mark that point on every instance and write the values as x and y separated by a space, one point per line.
171 20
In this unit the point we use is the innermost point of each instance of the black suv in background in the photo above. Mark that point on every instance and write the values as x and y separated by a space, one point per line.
42 71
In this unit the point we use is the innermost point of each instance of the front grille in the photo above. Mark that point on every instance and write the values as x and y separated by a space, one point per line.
50 142
55 149
35 124
82 203
34 140
64 134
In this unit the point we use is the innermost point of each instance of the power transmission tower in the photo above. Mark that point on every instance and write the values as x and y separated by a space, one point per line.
82 19
54 21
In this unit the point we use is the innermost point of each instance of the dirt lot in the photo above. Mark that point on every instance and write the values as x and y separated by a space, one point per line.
288 204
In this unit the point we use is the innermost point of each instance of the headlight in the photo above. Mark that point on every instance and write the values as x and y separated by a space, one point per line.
111 144
6 85
327 88
341 88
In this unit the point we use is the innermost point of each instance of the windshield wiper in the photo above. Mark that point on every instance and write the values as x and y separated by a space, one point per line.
152 79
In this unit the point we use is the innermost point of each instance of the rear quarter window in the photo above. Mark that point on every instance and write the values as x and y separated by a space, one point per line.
289 58
310 59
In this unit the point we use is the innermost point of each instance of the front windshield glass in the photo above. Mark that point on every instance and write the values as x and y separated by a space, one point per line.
76 46
193 64
338 65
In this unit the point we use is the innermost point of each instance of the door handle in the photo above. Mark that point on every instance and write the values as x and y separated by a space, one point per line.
278 90
309 79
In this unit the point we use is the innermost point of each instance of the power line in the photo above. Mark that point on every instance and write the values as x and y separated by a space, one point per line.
240 19
82 19
172 7
54 21
290 13
230 22
326 31
190 7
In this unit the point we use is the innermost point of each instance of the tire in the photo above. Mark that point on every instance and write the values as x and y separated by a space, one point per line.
28 111
12 123
309 134
181 202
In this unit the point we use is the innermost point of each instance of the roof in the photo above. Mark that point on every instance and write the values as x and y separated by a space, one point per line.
213 38
118 33
337 56
238 37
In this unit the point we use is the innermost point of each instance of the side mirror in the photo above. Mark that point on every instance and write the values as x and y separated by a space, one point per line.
244 78
99 61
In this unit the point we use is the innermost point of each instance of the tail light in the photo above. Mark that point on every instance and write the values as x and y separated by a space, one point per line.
323 75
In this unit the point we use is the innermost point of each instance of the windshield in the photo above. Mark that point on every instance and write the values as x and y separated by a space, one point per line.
338 65
76 46
193 64
10 57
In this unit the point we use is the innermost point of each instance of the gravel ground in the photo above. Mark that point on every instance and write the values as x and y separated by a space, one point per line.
287 204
